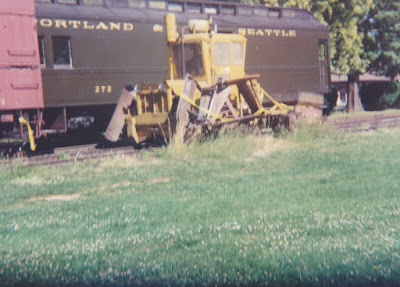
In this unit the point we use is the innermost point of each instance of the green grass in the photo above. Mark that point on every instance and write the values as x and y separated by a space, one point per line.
311 208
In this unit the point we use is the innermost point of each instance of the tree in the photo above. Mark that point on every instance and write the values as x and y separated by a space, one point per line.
347 45
382 37
344 18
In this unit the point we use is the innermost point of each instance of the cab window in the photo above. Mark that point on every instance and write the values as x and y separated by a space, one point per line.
193 60
226 54
237 54
222 55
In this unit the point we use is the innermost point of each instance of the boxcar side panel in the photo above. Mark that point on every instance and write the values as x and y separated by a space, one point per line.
21 83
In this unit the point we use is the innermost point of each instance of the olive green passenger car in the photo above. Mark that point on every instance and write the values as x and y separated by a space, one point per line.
90 49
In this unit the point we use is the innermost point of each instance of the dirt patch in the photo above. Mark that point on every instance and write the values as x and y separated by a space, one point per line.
57 197
32 180
270 145
332 149
159 180
124 183
127 161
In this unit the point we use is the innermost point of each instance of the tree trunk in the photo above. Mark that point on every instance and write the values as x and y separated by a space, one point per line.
353 96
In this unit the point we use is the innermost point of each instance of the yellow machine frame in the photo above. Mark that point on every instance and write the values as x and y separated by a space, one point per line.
218 60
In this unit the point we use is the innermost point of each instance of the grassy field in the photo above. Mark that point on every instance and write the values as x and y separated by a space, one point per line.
311 208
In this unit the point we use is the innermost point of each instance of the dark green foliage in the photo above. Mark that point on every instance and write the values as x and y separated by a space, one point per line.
382 37
380 95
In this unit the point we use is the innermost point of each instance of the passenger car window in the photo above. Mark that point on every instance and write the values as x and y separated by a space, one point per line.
116 3
41 51
62 52
245 11
175 6
193 7
260 11
289 13
228 10
154 4
137 3
92 2
67 1
274 13
322 51
210 9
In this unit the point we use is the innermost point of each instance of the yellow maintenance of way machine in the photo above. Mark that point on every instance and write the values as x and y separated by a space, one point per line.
207 87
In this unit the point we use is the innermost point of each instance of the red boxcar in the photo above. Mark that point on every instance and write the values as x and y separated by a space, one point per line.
20 74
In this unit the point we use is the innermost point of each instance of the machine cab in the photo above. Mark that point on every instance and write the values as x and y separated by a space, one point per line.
228 56
207 56
190 58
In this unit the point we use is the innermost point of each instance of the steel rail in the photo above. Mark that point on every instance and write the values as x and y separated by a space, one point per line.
73 154
79 153
364 123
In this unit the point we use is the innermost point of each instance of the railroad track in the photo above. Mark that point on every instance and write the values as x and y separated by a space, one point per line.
364 122
64 155
77 153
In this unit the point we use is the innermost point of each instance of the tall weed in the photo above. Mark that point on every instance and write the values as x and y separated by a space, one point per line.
225 143
308 132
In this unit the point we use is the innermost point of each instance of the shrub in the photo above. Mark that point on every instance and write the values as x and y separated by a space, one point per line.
380 95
